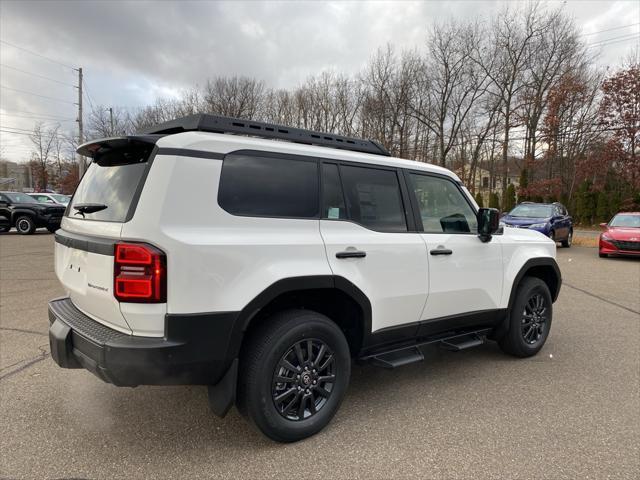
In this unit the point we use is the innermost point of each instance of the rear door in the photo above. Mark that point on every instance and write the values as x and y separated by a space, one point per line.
84 259
368 241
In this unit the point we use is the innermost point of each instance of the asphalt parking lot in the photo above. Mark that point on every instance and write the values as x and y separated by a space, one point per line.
573 411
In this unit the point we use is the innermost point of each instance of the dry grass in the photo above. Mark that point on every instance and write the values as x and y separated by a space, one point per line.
585 241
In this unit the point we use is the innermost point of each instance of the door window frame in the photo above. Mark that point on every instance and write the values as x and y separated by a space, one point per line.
416 207
404 194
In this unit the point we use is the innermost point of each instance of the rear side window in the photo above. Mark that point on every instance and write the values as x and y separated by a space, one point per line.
113 183
373 198
266 186
333 206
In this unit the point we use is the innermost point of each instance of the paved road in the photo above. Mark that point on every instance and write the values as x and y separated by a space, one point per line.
571 412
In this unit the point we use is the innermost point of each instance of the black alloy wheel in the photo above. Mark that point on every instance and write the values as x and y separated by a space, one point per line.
293 374
529 319
303 379
534 319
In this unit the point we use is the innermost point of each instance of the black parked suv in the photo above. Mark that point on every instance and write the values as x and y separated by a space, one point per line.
26 213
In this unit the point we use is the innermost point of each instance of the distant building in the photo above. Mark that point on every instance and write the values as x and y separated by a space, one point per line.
15 176
488 178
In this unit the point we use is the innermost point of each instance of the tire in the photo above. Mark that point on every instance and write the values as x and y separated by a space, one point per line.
567 243
25 225
525 336
4 229
552 235
53 229
283 411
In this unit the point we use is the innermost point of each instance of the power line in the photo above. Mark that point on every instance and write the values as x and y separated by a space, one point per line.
637 37
36 75
33 113
32 117
610 29
38 54
87 94
606 41
28 133
36 94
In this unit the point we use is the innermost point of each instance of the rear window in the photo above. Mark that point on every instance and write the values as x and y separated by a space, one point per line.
269 186
111 184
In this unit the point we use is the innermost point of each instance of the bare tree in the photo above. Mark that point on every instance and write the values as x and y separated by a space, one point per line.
45 142
449 84
238 97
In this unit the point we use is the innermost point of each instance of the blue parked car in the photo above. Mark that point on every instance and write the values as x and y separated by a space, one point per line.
551 219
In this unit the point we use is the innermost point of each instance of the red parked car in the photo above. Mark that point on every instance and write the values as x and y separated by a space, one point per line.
621 235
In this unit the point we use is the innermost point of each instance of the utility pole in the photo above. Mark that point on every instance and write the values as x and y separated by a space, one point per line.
111 118
81 164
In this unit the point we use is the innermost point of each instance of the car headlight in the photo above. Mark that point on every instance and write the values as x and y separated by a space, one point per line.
538 225
606 237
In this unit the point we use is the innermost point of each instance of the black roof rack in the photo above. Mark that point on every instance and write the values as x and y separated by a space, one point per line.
216 124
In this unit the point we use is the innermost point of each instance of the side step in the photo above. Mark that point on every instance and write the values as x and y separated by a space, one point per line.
400 356
397 358
456 344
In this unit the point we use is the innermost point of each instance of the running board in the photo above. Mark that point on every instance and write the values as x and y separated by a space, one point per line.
462 343
400 356
397 358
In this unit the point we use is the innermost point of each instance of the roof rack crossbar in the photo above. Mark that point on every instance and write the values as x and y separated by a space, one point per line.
217 124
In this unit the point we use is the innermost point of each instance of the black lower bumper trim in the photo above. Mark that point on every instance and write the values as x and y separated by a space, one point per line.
194 350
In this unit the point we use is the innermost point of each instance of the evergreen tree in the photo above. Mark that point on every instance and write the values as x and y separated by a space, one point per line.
524 183
494 200
510 200
479 200
602 207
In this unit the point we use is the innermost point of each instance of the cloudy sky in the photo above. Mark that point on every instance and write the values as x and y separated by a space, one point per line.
134 51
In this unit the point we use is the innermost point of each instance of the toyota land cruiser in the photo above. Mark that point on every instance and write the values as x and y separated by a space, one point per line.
261 260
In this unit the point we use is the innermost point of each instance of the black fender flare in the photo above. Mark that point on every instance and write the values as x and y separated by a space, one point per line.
23 211
293 284
222 395
546 262
537 262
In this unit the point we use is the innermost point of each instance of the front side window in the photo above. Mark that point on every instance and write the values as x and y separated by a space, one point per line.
442 206
373 198
266 186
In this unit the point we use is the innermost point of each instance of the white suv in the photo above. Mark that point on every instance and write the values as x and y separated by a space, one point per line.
210 251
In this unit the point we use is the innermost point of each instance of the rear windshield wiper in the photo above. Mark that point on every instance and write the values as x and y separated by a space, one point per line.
83 208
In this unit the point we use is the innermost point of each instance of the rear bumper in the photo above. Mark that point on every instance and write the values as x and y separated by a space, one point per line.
193 351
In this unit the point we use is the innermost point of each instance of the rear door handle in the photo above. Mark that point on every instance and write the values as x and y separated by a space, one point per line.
351 254
441 251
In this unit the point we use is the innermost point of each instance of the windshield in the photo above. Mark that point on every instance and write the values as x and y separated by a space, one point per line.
532 211
64 199
16 197
630 221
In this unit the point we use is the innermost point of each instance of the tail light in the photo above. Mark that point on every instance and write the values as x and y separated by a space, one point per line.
140 273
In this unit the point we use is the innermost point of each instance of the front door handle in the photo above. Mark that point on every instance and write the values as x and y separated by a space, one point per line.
351 254
441 251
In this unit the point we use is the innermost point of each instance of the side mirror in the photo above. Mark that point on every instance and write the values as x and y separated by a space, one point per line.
3 203
488 223
604 225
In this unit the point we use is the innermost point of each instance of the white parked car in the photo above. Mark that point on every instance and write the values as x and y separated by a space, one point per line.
261 260
53 198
